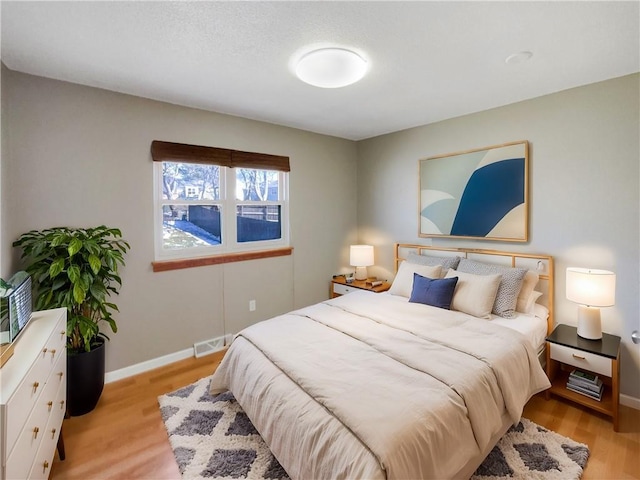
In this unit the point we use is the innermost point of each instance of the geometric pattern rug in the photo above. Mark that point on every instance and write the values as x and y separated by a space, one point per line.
212 438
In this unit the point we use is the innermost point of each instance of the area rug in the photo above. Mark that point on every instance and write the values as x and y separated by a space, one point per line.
212 438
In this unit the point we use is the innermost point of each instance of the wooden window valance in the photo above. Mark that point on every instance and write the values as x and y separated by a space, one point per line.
182 152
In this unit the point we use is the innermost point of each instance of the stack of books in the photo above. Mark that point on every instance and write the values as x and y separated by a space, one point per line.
585 384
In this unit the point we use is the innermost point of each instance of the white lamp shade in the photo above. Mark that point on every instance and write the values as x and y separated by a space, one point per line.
361 255
331 67
594 288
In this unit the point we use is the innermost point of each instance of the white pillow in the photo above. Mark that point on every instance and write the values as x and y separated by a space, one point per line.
531 302
528 284
510 284
540 311
403 283
474 294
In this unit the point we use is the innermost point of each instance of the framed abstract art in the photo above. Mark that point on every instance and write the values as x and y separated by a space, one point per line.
481 194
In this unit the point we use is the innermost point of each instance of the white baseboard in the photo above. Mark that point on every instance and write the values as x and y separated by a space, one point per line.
157 362
629 401
148 365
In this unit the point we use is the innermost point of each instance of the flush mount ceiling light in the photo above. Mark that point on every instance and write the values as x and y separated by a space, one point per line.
331 67
519 57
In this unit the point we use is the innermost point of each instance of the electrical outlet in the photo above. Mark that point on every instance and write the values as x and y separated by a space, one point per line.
252 305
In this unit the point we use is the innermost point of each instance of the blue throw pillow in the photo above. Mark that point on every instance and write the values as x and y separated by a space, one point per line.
434 292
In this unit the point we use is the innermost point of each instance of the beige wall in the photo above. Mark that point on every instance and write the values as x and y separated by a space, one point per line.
80 157
584 180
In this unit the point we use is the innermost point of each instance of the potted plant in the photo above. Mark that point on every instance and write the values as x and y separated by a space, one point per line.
77 269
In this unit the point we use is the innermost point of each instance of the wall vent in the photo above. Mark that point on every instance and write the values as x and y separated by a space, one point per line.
207 347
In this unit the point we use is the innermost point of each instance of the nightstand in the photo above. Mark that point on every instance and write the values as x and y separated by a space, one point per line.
339 286
566 351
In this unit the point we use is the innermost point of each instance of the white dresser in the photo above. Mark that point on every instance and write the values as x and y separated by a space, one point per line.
33 392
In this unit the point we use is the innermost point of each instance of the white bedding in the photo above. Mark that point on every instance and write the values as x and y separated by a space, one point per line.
371 386
534 327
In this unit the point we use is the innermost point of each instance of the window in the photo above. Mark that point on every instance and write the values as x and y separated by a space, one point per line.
208 204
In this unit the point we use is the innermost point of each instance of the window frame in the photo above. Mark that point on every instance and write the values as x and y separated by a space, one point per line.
227 203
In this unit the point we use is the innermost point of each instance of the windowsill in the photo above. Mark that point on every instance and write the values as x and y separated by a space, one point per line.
165 265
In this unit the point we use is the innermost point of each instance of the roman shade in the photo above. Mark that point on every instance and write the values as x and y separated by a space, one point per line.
182 152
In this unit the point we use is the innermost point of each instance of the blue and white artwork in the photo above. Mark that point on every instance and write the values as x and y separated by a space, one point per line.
476 194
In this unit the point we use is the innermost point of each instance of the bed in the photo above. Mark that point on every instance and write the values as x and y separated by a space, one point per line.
385 386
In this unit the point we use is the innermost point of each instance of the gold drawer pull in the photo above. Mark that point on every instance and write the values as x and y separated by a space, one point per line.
35 432
50 405
61 374
577 356
52 352
44 350
35 386
61 404
45 465
53 434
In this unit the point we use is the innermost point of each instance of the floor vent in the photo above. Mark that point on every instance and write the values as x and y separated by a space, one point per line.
207 347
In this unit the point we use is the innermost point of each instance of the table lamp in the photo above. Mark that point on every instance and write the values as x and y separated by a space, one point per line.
361 257
590 289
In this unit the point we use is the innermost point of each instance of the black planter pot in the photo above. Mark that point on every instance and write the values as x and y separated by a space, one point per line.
85 379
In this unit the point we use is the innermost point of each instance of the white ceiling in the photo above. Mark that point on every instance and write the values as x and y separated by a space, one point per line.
429 61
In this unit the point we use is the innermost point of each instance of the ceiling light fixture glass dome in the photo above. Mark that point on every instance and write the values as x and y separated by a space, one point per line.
331 67
520 57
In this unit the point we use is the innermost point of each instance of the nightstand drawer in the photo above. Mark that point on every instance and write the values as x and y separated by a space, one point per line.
339 289
580 359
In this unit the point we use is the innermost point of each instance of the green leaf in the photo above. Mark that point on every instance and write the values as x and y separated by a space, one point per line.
41 277
98 290
92 247
37 250
112 306
56 267
79 293
86 280
94 263
74 246
59 239
73 272
112 324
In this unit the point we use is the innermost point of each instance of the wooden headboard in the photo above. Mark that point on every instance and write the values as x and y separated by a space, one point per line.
542 264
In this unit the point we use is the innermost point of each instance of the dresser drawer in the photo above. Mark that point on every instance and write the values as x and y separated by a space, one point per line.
580 359
48 411
340 289
22 402
52 401
26 446
43 459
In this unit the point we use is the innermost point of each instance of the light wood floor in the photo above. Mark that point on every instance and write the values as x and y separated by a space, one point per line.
124 437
